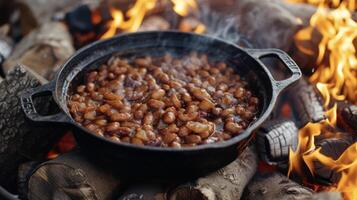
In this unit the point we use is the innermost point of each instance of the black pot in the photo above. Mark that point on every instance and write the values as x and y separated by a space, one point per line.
157 160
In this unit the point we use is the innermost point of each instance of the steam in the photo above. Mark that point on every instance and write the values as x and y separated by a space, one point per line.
222 26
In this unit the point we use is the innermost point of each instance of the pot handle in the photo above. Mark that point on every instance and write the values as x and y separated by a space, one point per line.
285 58
26 98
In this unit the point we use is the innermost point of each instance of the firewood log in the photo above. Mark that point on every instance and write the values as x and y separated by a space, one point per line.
227 183
275 138
307 102
275 186
43 50
347 117
331 145
73 176
21 140
34 13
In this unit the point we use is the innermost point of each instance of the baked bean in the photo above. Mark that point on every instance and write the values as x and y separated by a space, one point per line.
164 101
169 117
158 94
206 105
113 126
119 117
193 139
197 127
153 103
169 137
201 94
137 141
233 127
149 118
239 93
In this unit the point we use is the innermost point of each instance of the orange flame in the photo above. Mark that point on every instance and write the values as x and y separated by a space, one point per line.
137 13
336 80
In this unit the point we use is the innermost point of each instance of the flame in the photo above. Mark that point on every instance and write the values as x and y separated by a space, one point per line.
182 7
336 79
133 18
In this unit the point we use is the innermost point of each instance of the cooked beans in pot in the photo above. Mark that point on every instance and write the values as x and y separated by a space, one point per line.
164 101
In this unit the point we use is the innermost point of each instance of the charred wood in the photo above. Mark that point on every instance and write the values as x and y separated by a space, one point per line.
43 50
347 117
275 139
21 140
307 103
227 183
24 173
275 186
73 176
332 147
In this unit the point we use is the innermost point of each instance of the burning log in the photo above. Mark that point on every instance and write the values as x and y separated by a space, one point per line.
275 139
332 147
20 140
227 183
275 186
73 176
347 117
307 103
43 50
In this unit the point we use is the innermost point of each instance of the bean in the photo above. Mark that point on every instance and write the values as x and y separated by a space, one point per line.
169 137
112 126
153 103
158 94
169 117
119 117
193 139
197 127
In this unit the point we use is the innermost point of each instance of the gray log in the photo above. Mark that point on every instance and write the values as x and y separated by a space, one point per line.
73 176
34 13
275 186
227 183
20 140
43 50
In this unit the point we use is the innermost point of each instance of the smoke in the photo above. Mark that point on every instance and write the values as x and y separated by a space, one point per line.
222 26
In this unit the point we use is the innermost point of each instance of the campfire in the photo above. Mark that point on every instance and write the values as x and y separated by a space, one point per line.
306 149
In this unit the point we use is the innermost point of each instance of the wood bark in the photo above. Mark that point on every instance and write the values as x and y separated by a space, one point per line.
73 176
43 50
227 183
306 102
34 13
275 186
21 140
274 140
347 117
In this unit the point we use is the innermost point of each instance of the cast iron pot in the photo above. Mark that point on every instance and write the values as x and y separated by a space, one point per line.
156 160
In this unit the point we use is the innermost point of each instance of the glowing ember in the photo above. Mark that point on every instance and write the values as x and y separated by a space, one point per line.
136 15
336 81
